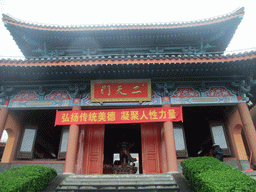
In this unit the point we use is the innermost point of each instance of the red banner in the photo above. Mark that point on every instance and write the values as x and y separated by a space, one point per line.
119 116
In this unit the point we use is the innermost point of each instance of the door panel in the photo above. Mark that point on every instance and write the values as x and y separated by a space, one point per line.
94 149
150 141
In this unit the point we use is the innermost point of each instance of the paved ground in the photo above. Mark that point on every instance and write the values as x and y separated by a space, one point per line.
180 179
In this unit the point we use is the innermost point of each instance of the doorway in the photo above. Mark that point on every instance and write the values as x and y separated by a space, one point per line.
116 134
44 138
197 127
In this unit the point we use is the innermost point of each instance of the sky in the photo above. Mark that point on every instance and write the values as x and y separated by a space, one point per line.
75 12
62 12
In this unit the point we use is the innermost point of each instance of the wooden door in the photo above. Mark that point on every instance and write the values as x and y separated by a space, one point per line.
150 142
94 149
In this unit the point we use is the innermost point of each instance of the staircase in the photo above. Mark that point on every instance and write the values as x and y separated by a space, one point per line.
252 174
127 182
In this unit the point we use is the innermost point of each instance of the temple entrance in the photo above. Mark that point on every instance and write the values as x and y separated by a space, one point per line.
122 145
40 139
113 148
197 126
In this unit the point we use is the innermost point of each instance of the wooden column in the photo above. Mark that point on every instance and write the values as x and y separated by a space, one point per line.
71 153
248 128
171 157
3 118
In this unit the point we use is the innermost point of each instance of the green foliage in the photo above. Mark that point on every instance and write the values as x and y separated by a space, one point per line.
27 178
208 174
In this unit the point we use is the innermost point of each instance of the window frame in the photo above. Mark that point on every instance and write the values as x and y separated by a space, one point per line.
226 151
181 153
27 154
62 154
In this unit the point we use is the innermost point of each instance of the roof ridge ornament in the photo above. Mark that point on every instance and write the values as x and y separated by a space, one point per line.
9 18
239 10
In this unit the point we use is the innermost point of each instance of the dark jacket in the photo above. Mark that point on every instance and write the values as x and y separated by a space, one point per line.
217 152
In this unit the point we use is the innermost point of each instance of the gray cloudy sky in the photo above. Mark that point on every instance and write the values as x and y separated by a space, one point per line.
133 11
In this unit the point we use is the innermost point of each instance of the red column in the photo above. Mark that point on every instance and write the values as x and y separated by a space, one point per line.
171 157
80 153
248 128
3 118
72 146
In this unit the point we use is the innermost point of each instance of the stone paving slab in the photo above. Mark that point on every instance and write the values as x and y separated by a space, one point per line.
55 182
182 182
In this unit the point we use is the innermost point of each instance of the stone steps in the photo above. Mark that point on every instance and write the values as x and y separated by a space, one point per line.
127 182
252 174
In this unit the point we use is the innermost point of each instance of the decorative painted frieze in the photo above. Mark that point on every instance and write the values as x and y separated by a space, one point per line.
222 94
175 96
87 101
182 95
22 98
218 92
60 98
76 101
30 99
213 95
185 92
166 100
58 95
156 99
26 96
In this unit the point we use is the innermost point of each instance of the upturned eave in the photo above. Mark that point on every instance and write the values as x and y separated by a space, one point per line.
237 13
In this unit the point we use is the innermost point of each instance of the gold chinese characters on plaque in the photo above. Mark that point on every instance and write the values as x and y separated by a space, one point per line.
121 90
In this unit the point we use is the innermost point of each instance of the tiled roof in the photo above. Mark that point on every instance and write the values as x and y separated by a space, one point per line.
123 59
52 70
236 13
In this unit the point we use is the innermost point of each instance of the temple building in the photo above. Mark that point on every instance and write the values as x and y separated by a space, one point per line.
126 98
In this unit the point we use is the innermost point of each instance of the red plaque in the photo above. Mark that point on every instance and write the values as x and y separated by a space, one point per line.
120 90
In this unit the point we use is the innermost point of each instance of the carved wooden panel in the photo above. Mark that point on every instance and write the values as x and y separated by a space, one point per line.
150 141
